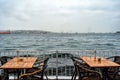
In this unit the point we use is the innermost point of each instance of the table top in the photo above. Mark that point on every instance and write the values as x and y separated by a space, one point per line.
20 63
94 62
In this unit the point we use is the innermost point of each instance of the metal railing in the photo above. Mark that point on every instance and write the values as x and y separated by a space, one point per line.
60 63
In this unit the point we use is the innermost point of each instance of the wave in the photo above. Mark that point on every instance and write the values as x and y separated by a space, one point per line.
107 44
48 42
60 45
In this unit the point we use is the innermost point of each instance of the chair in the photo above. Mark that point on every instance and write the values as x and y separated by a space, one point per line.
115 59
88 73
39 65
3 60
114 75
2 77
113 72
42 62
75 72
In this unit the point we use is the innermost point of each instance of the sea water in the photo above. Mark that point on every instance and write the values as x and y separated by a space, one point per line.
55 41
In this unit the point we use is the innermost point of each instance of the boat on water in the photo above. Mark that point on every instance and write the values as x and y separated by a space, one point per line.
5 32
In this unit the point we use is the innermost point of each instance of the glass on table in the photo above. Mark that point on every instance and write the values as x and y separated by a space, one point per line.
99 59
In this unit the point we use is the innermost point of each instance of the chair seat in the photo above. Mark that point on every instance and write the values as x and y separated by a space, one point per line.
2 77
90 78
114 77
117 78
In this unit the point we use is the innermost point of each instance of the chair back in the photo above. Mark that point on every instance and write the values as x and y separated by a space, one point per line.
44 66
74 59
75 72
117 59
3 60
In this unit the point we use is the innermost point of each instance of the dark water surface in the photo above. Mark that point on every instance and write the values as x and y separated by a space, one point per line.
105 41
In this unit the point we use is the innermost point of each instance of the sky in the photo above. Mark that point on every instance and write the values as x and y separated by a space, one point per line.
60 15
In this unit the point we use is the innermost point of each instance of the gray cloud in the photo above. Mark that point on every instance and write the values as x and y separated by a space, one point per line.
73 15
7 7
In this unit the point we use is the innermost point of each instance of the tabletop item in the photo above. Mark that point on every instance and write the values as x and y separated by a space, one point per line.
95 55
99 59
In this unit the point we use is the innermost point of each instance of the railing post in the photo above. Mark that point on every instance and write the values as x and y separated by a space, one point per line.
0 53
18 54
56 65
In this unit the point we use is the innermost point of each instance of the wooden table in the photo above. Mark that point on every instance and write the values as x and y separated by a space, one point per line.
103 63
19 63
93 62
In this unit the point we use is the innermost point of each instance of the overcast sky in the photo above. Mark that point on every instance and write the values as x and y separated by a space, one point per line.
60 15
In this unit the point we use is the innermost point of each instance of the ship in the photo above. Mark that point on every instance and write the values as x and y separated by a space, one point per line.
5 32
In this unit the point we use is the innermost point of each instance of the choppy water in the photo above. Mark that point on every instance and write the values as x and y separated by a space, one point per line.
60 41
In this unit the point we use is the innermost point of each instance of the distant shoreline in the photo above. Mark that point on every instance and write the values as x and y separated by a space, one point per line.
46 32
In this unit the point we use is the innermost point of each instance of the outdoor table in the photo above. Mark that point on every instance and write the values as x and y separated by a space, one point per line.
93 62
19 63
96 62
